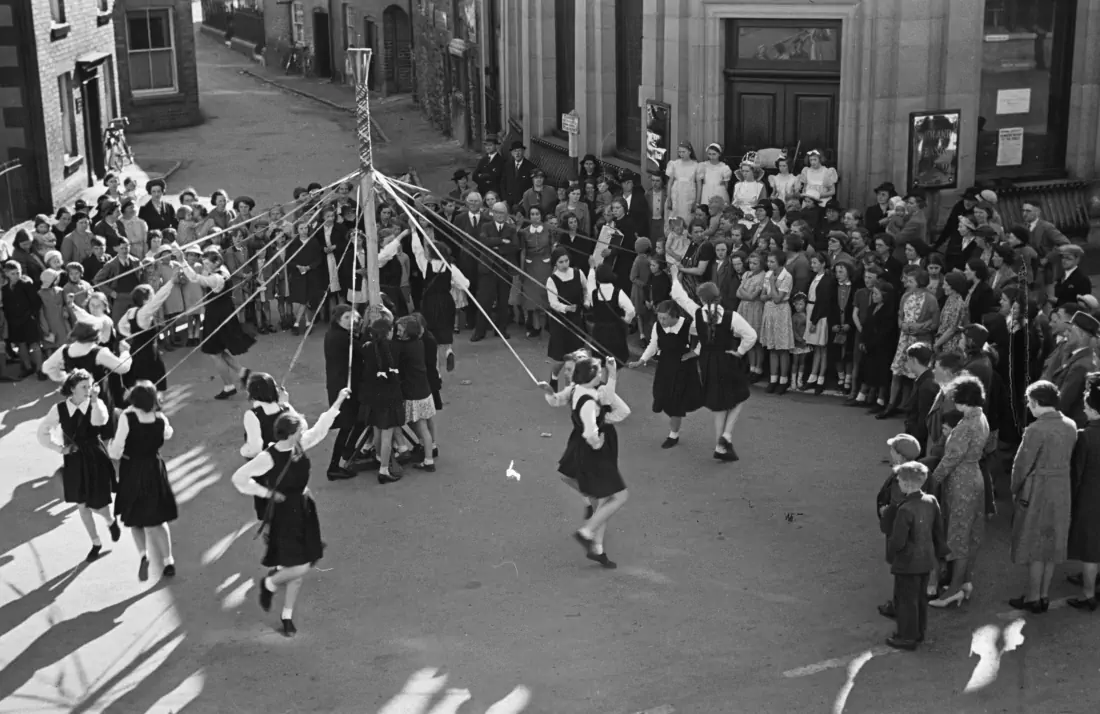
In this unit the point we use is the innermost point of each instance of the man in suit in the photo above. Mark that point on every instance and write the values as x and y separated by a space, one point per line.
1073 283
1070 376
636 207
925 390
517 176
1046 239
468 223
948 366
490 168
501 247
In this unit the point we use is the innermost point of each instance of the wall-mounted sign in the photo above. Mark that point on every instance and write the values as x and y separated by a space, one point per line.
1014 101
934 149
570 123
1010 146
658 135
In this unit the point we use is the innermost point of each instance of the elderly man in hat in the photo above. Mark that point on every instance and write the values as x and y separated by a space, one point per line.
490 168
539 196
517 176
1072 283
157 213
1081 359
462 185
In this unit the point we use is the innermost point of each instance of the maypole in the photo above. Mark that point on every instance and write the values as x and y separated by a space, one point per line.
360 62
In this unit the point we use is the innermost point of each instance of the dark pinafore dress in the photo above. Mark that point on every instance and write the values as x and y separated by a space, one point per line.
145 497
221 330
87 474
294 532
110 382
389 282
677 390
724 382
567 328
267 438
145 359
596 471
608 328
437 305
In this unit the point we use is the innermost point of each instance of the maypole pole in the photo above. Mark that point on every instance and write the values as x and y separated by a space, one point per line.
360 63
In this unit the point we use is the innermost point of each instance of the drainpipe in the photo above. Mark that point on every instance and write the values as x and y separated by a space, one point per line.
412 51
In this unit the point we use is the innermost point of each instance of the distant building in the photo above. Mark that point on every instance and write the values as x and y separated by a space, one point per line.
158 78
58 90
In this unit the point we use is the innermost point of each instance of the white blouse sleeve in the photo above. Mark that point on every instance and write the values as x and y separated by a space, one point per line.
389 252
258 466
168 430
54 366
253 439
619 408
680 296
626 306
147 312
97 411
119 364
560 399
419 253
459 280
744 331
590 285
215 281
118 444
317 433
651 348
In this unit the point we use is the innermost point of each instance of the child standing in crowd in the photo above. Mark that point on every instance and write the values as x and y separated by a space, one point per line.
677 240
192 296
56 321
903 449
187 231
22 305
801 349
639 279
76 289
916 545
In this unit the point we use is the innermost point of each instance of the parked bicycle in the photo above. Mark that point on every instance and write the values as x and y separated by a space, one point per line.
299 61
116 149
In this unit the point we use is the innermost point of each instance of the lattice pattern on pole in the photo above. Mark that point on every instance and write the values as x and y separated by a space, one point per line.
362 109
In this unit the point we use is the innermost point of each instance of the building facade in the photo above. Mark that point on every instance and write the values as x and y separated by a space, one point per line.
157 71
939 94
58 90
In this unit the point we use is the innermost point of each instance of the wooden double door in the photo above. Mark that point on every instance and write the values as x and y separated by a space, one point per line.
795 115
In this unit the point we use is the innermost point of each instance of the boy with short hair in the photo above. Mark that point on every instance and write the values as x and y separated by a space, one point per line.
916 544
903 448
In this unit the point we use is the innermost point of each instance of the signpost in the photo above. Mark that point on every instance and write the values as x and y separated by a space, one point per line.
571 125
360 60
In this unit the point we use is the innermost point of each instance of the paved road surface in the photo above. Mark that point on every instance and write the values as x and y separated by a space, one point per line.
741 588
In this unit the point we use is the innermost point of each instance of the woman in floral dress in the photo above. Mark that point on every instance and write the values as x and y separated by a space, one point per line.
963 486
776 333
713 176
751 307
918 318
681 174
949 335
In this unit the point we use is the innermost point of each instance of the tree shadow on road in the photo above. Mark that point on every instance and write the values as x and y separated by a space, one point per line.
63 639
21 609
35 407
27 515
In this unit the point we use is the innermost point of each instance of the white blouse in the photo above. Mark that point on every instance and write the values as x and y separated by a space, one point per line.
52 420
253 438
147 312
556 303
742 329
262 463
651 348
458 280
606 290
54 366
591 411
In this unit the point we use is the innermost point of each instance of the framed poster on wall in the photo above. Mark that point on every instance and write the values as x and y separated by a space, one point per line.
934 150
658 135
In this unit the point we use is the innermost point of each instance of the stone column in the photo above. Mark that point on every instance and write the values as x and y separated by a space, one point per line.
1083 146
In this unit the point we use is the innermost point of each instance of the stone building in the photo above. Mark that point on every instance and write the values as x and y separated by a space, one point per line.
158 76
58 90
450 53
936 93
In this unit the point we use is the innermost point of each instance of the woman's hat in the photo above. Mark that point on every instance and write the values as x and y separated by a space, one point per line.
976 334
245 200
833 205
164 250
972 193
888 187
84 332
1070 249
459 175
848 265
155 183
1086 322
958 282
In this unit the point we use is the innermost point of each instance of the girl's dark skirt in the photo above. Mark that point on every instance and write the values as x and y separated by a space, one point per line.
88 476
724 380
677 390
294 534
145 497
439 312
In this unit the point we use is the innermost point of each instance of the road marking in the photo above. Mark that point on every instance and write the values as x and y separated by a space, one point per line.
1017 614
836 662
663 709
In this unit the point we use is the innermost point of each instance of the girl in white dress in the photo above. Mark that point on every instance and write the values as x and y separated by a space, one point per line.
681 182
713 176
815 175
749 189
785 185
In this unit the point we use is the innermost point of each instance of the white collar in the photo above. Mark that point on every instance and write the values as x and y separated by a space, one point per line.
1031 226
579 391
474 216
534 228
1068 273
675 326
82 408
267 407
500 226
493 155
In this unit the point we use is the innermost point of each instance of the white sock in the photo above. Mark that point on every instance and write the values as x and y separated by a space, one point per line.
143 554
585 532
97 542
229 388
598 548
169 561
269 585
288 613
674 435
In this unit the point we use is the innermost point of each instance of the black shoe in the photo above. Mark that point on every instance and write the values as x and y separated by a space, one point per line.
887 610
266 596
143 569
670 441
226 394
388 478
900 644
450 361
603 560
428 468
819 389
888 413
729 456
853 402
1085 603
93 554
116 532
1032 606
404 457
169 571
337 473
772 386
876 409
358 465
477 337
783 387
289 630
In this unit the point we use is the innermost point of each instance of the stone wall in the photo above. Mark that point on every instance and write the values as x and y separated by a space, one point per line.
449 72
430 57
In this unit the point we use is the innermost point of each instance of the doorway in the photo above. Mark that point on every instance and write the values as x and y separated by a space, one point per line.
792 115
491 34
397 41
322 44
93 123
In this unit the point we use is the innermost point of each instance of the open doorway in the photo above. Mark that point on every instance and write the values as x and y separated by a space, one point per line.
322 44
397 38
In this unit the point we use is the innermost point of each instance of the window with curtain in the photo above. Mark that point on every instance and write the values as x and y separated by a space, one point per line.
1027 65
628 77
151 52
565 45
68 114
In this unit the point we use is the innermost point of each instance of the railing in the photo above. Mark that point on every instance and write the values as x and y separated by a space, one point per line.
15 194
244 22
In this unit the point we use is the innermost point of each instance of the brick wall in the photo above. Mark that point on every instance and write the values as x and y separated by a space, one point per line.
161 111
88 35
448 72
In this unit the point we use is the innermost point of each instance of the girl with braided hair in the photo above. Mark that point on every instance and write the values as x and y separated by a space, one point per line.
724 340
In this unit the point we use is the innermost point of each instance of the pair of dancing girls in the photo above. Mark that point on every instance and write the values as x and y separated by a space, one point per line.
144 501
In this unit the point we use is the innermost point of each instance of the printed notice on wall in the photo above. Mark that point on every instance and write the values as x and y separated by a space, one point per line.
1013 101
1010 147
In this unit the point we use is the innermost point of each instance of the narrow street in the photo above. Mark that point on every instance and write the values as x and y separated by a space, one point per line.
744 587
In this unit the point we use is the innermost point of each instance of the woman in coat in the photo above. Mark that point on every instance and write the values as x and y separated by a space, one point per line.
1041 493
1084 527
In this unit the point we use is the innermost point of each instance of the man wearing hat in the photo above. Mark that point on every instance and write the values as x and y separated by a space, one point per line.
462 185
1070 376
636 209
540 196
490 168
157 213
876 215
1072 283
516 178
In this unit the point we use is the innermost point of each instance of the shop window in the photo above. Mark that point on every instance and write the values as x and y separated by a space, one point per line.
57 11
68 115
565 59
1027 65
628 77
151 51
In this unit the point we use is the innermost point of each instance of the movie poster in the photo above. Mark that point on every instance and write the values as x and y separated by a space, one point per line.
934 150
